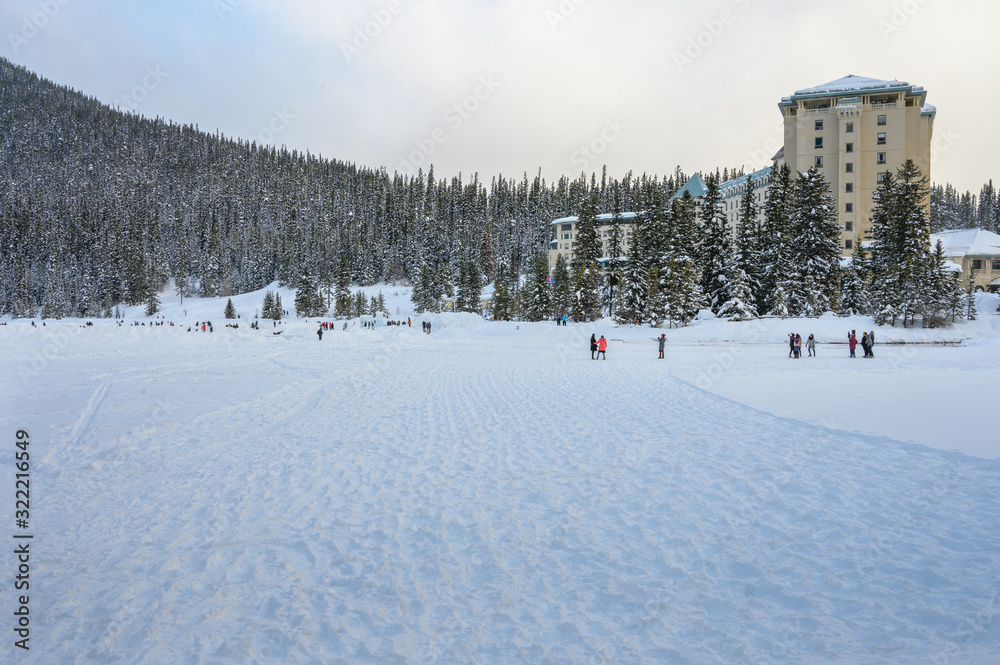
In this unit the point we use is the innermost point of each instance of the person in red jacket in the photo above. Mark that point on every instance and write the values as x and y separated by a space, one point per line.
852 341
602 346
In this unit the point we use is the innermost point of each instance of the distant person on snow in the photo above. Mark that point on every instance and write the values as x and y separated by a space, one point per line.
811 346
871 344
798 345
602 346
593 346
865 344
661 341
852 342
791 344
320 333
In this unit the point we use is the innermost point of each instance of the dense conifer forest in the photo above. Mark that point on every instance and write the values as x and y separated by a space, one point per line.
99 207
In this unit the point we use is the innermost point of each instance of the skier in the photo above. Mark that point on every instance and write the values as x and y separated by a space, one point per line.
593 346
320 333
602 346
811 346
661 341
852 342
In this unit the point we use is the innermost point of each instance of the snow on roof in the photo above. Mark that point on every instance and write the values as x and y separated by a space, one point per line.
951 266
603 218
960 243
851 83
756 175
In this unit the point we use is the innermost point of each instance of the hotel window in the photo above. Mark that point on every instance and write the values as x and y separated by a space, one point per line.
881 120
848 244
996 264
565 236
819 125
849 188
880 178
819 162
848 207
849 167
880 158
819 142
848 226
881 138
849 148
849 129
977 264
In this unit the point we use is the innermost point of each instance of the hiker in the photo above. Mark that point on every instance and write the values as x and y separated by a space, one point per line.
593 346
852 342
661 341
602 346
811 346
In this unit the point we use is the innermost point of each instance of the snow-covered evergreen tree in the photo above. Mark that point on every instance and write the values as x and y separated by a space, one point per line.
230 311
715 247
587 300
562 289
815 243
536 304
854 300
970 296
342 288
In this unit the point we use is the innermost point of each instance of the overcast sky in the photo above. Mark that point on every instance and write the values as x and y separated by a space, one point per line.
510 86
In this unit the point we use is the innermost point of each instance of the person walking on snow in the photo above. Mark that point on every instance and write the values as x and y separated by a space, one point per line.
811 346
320 333
661 341
602 346
593 346
852 342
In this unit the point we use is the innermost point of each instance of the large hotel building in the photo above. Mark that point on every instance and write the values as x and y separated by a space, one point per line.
853 130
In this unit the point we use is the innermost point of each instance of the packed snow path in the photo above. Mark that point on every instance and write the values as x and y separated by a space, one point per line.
389 496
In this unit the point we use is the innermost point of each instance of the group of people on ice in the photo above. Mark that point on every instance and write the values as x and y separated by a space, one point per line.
867 342
795 345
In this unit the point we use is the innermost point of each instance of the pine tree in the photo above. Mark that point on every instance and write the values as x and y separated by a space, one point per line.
586 301
816 243
740 305
230 312
776 241
503 292
854 300
633 288
152 295
588 241
360 304
900 244
342 288
562 289
537 295
277 312
308 301
655 306
715 248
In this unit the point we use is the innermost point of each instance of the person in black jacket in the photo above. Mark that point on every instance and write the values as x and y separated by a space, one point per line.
593 346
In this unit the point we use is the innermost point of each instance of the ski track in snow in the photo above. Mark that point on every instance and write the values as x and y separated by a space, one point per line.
404 498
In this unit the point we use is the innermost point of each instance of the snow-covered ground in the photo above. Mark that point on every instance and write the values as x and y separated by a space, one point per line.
489 494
